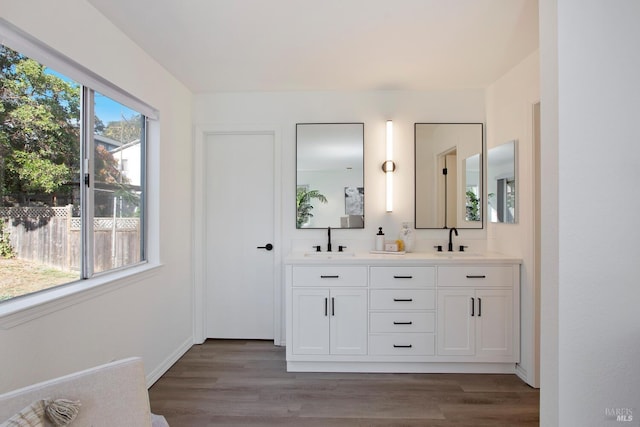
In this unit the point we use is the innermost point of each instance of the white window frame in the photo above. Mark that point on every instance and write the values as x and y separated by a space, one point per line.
22 309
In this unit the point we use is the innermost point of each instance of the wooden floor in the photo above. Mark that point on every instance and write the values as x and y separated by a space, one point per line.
245 383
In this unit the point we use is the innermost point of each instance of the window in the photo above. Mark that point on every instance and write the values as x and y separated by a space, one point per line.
72 177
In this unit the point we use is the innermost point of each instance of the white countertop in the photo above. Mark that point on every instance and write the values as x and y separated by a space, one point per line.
413 258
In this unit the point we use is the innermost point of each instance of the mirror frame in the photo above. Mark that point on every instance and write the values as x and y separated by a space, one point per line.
481 178
361 124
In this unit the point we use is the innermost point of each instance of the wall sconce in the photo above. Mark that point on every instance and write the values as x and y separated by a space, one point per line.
388 166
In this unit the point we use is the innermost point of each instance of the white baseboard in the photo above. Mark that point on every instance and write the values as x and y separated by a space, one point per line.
159 371
525 376
402 367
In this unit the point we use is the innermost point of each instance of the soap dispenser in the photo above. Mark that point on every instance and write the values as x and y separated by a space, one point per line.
380 240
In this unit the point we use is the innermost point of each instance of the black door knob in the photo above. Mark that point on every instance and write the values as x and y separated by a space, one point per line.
268 246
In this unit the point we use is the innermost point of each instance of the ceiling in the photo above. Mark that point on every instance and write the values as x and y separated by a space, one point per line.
286 45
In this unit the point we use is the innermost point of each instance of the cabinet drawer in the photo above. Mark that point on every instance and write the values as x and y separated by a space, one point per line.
473 276
327 275
401 321
402 299
403 277
402 344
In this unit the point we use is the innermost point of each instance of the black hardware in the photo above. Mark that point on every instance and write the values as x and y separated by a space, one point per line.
333 306
86 179
328 239
481 276
317 247
479 306
330 277
403 323
463 247
402 346
438 248
403 300
268 246
403 277
473 307
452 230
444 171
326 304
340 248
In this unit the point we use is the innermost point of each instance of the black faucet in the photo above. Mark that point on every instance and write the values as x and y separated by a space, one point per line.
328 239
451 238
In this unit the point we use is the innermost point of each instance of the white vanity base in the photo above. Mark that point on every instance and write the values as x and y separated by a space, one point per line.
416 313
403 367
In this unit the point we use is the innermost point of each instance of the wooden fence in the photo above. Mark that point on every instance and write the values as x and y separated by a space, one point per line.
51 236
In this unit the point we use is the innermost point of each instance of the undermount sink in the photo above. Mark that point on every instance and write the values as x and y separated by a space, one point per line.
329 255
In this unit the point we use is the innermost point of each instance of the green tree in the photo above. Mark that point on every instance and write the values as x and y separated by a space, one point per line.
125 130
6 250
40 131
39 127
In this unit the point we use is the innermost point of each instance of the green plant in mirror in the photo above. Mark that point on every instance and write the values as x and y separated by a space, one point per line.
304 206
473 203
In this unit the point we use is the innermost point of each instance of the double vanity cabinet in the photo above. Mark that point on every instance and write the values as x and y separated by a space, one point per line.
402 313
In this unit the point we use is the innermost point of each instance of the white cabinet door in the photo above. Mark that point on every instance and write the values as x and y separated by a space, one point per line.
475 323
348 313
329 321
456 326
310 321
494 323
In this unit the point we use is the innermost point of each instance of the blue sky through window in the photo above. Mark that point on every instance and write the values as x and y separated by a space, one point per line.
106 109
109 110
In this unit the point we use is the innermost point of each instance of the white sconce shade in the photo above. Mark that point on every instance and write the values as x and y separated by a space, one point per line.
389 166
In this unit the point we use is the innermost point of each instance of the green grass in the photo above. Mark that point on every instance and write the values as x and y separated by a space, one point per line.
20 277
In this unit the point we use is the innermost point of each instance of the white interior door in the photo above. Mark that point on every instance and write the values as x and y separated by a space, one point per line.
239 206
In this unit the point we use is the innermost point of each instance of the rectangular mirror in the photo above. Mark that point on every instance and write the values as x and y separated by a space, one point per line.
448 175
330 175
502 183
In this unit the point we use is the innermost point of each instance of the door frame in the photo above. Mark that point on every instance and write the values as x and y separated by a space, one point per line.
199 223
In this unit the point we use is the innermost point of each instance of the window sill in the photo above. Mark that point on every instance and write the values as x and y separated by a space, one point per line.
30 307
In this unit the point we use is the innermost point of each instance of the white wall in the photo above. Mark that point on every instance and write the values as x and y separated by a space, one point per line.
282 110
591 342
150 316
509 116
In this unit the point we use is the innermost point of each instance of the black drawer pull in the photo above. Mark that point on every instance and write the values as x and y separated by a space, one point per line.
330 277
326 304
333 306
403 277
479 307
403 323
403 299
402 346
473 307
481 276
